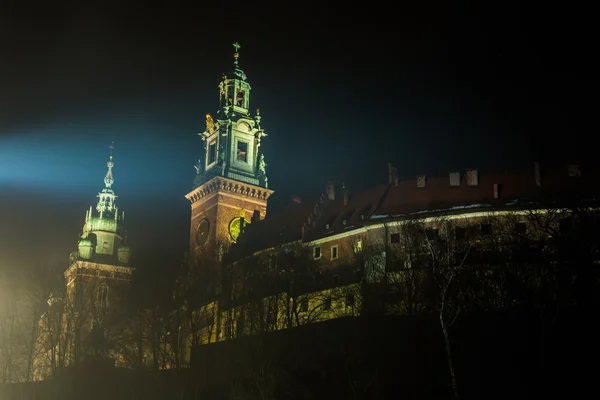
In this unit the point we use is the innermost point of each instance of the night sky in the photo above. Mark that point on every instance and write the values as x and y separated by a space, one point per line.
429 86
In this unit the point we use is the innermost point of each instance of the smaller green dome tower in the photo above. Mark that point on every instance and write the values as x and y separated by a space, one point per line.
104 237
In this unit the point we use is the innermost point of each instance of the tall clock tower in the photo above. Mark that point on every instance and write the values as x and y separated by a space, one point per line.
231 186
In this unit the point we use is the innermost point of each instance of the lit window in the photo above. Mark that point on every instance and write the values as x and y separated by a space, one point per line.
242 151
212 153
334 252
358 245
317 253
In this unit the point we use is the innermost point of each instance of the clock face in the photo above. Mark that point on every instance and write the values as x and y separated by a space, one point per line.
235 227
202 233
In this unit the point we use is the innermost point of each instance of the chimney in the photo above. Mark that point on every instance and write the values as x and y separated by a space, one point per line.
330 190
472 178
393 174
256 216
346 195
421 181
454 179
496 191
537 174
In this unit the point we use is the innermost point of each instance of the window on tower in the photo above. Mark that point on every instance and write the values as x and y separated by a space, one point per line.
239 99
229 95
212 153
242 151
103 296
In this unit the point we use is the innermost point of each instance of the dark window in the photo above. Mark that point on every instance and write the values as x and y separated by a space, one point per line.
460 233
239 99
242 151
212 153
520 227
334 252
327 303
271 317
486 229
431 233
349 300
317 253
395 238
304 305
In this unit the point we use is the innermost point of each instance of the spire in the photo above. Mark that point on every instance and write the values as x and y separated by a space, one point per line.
106 198
108 179
236 54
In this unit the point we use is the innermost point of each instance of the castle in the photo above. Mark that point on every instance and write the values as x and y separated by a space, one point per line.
315 261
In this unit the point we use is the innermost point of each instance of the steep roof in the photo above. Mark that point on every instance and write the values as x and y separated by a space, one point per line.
321 218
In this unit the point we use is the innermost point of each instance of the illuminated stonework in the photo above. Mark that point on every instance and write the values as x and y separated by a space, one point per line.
231 181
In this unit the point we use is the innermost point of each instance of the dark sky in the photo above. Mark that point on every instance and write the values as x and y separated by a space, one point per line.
430 86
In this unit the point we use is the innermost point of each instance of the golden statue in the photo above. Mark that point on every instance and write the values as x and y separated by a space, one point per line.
210 124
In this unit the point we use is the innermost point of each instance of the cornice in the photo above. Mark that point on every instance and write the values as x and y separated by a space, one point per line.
221 184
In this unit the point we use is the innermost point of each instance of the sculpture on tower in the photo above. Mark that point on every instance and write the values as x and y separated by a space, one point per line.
233 137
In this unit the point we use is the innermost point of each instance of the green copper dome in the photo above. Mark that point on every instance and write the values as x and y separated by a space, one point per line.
85 243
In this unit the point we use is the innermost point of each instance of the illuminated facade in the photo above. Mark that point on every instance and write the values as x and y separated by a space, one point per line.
231 185
314 260
77 325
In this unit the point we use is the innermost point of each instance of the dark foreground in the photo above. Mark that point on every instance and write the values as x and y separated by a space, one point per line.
495 356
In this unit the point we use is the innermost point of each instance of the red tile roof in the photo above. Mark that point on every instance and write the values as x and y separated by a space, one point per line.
391 201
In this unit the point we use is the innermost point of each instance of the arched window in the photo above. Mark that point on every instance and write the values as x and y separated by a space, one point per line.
103 295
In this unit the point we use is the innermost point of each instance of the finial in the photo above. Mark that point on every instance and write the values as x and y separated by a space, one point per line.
236 55
108 179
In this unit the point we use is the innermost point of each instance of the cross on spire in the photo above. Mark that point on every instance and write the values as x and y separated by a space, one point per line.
108 179
236 55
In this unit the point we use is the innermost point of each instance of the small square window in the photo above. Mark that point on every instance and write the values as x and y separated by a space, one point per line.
521 227
242 151
212 153
395 238
334 252
460 233
105 245
327 303
431 233
316 253
304 305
